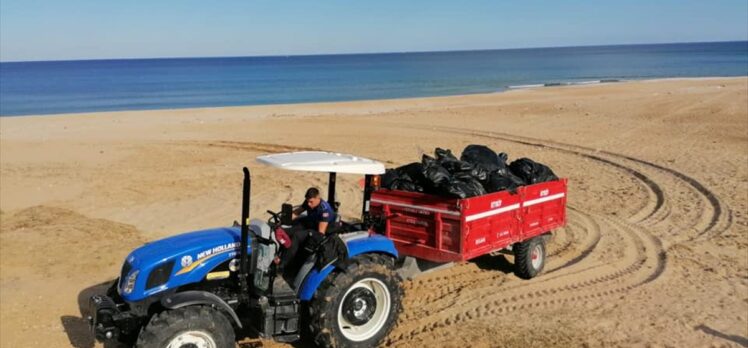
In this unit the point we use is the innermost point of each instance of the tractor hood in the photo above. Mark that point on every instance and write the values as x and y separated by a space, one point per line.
178 260
191 243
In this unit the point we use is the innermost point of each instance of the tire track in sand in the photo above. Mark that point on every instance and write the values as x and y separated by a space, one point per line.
590 246
581 236
640 264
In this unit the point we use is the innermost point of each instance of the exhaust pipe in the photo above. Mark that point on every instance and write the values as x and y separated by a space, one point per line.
244 243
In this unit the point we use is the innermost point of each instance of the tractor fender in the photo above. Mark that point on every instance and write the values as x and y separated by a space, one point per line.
194 297
358 243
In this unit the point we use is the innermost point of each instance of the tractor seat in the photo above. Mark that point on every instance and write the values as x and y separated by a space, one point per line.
336 208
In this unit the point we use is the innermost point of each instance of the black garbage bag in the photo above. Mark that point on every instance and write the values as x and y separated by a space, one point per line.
389 177
531 172
447 160
455 188
405 178
503 167
477 173
480 173
498 182
457 166
462 175
414 171
427 160
503 157
515 179
435 175
480 155
475 187
405 184
485 160
444 155
463 188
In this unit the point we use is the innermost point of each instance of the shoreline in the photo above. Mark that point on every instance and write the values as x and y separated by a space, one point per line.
507 89
322 54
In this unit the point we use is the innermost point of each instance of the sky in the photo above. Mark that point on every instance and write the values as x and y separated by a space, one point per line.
95 29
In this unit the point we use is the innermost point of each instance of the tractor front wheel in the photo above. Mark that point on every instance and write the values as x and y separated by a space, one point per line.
188 327
358 305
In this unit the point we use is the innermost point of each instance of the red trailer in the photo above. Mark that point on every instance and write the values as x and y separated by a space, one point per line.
444 230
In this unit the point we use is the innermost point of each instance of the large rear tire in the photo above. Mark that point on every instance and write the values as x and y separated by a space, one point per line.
188 327
357 305
529 257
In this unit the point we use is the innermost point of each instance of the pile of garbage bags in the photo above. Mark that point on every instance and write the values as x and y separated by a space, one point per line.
478 171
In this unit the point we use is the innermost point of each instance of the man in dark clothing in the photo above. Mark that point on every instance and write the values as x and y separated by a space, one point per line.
319 218
319 213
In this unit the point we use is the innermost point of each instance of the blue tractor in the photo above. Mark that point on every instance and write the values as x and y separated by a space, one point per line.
203 288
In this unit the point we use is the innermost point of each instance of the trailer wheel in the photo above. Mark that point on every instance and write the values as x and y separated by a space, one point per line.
529 257
358 305
188 327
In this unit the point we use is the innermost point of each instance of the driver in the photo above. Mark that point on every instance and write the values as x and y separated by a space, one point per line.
319 218
319 213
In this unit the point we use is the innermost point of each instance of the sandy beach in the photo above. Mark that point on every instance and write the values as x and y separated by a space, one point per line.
655 252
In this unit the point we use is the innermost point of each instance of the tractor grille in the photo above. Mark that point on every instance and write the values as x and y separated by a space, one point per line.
126 267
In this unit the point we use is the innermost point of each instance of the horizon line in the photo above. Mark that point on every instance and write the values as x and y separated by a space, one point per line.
367 53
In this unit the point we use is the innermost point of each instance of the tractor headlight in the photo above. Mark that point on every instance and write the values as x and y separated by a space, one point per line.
160 275
130 282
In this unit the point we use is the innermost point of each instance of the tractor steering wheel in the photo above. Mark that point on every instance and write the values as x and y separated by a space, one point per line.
274 217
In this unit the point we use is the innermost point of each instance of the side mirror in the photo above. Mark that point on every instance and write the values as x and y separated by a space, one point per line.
286 214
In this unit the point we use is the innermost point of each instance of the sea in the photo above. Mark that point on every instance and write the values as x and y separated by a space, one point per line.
57 87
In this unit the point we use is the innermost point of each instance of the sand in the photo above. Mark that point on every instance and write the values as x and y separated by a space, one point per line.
655 252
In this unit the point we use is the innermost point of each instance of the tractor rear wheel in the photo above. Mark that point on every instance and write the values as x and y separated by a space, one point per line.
529 257
188 327
357 305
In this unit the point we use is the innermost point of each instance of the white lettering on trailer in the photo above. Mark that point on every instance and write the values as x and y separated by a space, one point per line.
544 193
495 204
416 222
480 240
503 233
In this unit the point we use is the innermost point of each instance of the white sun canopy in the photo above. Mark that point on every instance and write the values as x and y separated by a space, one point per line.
321 161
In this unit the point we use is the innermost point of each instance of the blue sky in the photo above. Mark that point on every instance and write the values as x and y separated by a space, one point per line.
93 29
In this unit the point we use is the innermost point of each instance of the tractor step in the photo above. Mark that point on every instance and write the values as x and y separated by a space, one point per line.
278 313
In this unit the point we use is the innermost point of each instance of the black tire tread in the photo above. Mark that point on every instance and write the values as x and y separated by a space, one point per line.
522 258
322 323
163 326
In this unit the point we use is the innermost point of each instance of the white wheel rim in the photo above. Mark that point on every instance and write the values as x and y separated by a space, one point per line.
536 257
369 329
189 339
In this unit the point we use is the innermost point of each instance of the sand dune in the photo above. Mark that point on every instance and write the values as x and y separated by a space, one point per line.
655 252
